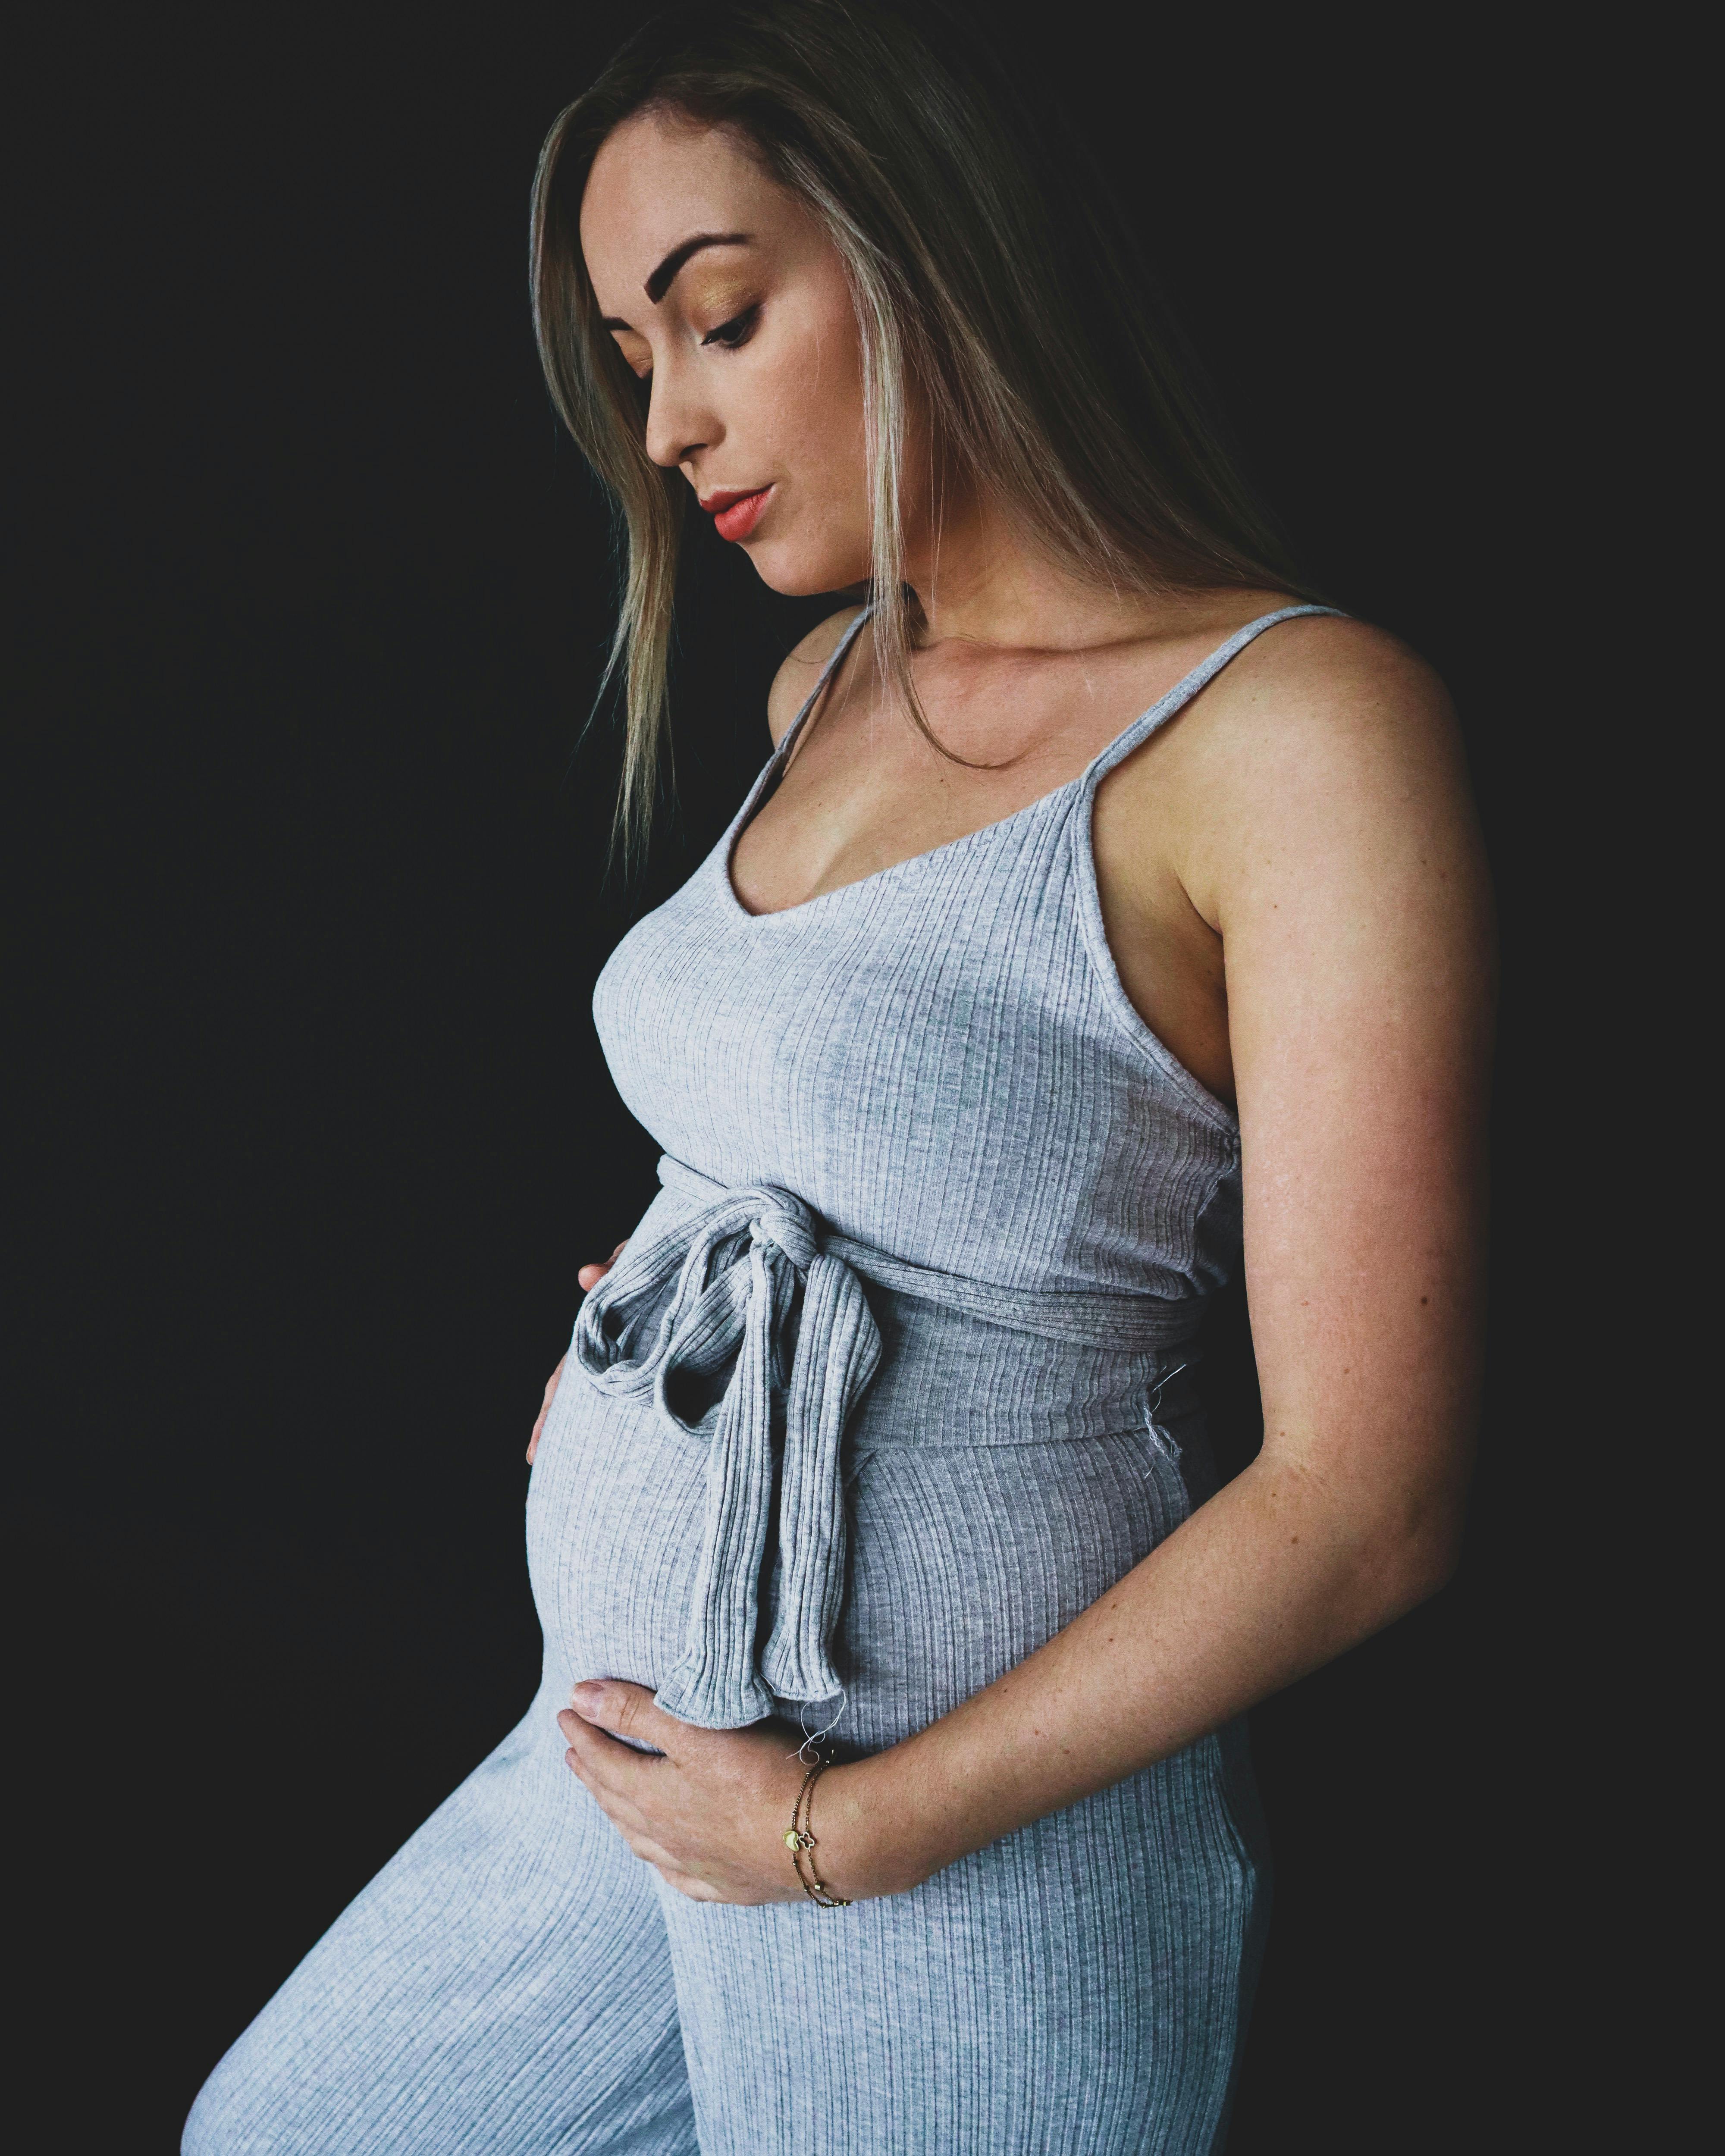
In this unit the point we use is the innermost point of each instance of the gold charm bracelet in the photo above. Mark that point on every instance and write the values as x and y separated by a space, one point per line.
799 1839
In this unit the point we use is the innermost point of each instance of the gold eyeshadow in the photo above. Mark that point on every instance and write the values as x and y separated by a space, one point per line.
716 300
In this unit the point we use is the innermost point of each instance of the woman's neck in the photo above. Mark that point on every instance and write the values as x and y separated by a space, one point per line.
981 581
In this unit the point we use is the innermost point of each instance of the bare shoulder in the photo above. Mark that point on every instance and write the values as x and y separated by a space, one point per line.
1323 679
1325 737
796 678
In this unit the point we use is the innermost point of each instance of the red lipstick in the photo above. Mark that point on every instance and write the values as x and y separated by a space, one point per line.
735 516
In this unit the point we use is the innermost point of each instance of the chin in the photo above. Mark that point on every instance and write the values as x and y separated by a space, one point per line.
802 573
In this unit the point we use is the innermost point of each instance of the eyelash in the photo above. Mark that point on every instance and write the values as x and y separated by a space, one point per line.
729 335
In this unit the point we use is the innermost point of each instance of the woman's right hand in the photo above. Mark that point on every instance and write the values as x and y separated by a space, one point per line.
589 1276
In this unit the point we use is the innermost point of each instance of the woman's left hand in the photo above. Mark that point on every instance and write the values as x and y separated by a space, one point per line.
710 1814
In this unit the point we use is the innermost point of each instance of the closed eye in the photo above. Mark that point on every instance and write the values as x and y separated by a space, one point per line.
736 331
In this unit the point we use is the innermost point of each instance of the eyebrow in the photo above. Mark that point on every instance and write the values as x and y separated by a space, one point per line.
660 282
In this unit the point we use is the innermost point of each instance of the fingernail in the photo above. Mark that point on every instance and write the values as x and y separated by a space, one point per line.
587 1695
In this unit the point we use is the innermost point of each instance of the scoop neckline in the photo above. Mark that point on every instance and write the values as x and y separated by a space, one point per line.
1214 1109
733 837
1190 683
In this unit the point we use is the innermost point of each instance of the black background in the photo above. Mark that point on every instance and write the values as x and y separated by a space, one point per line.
312 600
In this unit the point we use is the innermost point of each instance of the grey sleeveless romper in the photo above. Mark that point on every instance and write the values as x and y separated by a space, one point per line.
883 1391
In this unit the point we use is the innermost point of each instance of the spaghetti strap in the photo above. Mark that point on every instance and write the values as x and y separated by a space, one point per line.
768 775
1182 692
827 672
1123 745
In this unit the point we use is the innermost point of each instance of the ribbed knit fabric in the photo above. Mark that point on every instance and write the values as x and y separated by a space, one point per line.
885 1390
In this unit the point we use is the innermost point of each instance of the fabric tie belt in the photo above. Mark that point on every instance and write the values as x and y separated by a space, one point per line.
755 1270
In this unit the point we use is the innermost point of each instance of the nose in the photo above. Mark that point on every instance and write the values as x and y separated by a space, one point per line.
678 425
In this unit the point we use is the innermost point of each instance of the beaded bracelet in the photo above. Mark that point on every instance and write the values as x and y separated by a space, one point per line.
798 1839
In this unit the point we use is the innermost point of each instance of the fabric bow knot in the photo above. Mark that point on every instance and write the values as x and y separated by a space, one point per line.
753 1288
786 1222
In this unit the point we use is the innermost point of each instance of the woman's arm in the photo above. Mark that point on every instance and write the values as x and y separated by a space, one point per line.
1339 860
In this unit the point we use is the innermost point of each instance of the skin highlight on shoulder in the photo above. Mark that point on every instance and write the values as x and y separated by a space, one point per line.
1324 759
1320 722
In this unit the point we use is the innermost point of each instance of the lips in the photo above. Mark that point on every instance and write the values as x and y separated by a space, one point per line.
734 515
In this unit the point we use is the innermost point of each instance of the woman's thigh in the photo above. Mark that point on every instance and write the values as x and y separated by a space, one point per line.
502 1988
1077 1989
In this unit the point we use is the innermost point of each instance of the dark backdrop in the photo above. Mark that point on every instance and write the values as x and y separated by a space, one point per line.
312 599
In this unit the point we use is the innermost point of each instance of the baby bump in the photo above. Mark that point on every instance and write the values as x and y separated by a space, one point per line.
961 1559
614 1515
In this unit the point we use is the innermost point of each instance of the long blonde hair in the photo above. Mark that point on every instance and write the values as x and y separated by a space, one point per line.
993 278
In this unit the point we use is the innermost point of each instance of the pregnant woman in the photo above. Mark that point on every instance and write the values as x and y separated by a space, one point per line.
1107 915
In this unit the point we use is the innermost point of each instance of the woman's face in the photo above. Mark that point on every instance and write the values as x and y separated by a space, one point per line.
726 296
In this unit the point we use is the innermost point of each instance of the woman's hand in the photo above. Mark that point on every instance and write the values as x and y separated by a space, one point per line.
589 1276
710 1814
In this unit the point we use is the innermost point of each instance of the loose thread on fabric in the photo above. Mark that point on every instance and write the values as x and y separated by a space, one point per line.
811 1737
1159 1437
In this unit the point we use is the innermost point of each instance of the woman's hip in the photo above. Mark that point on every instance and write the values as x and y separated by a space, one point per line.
1079 1989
